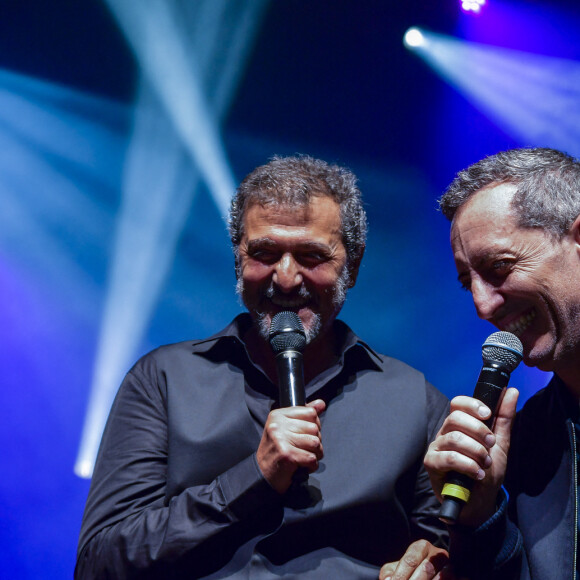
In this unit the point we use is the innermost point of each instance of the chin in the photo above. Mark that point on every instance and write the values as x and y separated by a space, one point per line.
543 357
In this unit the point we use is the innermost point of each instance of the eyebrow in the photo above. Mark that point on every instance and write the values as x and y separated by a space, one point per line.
301 246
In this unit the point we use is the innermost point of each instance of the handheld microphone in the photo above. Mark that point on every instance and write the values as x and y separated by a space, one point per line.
288 339
501 353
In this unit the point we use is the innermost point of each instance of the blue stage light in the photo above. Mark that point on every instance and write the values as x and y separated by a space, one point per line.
187 84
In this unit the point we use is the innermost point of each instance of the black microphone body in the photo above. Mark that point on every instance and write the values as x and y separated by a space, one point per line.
288 340
501 353
290 369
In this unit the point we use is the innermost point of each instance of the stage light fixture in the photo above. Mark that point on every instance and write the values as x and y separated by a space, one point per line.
532 97
414 38
473 6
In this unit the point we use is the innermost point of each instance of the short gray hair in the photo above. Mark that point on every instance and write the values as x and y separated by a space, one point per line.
294 181
547 185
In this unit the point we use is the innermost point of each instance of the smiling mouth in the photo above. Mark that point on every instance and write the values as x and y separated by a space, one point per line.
293 301
282 302
522 323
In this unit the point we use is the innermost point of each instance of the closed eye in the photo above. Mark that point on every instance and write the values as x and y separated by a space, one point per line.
311 259
501 267
264 256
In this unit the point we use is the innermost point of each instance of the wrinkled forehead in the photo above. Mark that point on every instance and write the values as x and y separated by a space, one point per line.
303 209
484 222
285 196
488 205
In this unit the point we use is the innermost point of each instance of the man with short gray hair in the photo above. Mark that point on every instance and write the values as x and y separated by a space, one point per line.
515 235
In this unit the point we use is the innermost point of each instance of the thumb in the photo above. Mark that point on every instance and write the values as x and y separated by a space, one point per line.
318 404
505 416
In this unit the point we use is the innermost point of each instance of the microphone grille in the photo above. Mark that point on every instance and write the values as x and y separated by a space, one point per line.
287 332
503 348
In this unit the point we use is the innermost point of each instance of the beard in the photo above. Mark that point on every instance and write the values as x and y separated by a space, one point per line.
263 319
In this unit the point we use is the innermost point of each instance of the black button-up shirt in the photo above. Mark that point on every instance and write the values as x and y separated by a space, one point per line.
177 492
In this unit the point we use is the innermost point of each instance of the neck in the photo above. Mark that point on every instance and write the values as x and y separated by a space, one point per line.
571 378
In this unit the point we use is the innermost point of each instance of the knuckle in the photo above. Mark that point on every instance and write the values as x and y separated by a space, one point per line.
456 437
454 458
454 417
412 560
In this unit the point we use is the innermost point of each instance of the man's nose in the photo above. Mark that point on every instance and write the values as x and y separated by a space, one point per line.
287 273
486 297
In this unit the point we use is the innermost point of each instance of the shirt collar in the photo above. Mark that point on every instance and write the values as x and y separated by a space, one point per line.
351 348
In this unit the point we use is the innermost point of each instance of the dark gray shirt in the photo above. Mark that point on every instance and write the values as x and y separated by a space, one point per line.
177 492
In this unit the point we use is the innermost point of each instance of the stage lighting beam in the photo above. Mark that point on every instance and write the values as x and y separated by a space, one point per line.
174 120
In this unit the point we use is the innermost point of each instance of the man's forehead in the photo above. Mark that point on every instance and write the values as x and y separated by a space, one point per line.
494 199
318 222
316 206
485 221
287 200
488 208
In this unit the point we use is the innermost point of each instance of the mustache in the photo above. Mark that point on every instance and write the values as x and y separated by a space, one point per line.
272 292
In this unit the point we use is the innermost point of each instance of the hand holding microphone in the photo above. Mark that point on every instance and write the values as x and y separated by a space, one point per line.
465 439
290 447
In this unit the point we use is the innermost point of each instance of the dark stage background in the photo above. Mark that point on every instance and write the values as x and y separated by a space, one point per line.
120 148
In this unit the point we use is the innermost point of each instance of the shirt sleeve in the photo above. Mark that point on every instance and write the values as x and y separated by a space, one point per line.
130 528
493 551
425 513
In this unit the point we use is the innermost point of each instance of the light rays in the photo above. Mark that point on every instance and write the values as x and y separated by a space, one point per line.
191 56
534 98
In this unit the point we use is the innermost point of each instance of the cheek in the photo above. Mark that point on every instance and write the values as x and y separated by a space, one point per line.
255 273
324 279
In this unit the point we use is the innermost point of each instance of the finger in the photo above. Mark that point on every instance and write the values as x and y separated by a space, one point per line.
308 460
471 406
306 442
459 424
457 442
426 569
421 561
387 571
317 404
506 414
307 413
301 426
453 461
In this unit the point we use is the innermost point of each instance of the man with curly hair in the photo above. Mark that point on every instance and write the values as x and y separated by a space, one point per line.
197 474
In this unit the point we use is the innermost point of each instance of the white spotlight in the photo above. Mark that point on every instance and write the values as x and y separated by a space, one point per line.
414 38
535 98
472 5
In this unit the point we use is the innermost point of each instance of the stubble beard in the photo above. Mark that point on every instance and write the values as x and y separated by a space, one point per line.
315 325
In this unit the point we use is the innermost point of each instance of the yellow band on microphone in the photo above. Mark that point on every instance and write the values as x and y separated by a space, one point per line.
454 490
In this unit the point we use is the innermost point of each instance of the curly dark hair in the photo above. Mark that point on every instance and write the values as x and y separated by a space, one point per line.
294 181
547 185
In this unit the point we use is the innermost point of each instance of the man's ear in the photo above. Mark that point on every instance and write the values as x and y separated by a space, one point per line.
575 231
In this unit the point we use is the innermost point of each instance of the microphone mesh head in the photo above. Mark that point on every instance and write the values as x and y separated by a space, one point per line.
287 332
503 348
